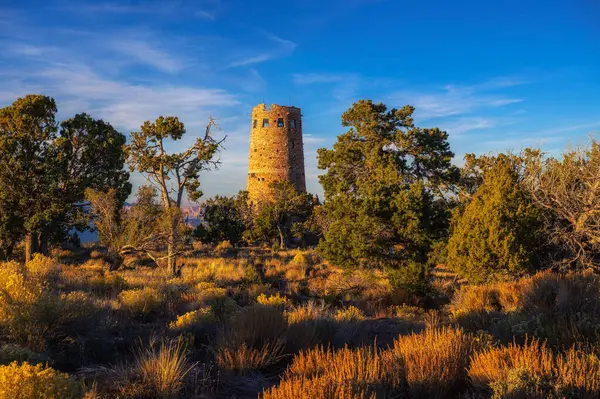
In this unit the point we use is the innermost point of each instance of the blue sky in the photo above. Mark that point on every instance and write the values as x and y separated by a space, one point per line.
496 75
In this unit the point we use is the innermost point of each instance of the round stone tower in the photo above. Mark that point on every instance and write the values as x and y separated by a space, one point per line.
276 150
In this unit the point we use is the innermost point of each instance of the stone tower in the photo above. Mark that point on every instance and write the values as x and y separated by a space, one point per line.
276 149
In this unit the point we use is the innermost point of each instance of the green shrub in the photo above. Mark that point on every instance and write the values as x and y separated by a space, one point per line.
499 230
413 277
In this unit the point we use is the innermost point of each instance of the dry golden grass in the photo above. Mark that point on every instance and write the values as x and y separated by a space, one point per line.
579 372
163 368
435 360
365 372
253 339
243 358
223 271
321 388
534 369
494 364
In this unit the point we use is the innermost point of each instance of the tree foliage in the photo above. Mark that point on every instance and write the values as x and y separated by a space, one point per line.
173 174
277 216
45 169
498 228
568 189
142 229
224 219
386 185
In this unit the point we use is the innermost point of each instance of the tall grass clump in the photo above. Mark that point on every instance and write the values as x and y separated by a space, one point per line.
533 370
163 368
365 372
254 338
435 360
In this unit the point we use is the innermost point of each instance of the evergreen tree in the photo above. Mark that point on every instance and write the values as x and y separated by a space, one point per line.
498 230
386 185
224 218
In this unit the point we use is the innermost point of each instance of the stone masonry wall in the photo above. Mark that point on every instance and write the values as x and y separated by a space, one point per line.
276 149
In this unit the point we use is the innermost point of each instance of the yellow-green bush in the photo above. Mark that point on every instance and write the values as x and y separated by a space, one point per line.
190 320
349 314
142 303
276 300
24 381
43 268
33 315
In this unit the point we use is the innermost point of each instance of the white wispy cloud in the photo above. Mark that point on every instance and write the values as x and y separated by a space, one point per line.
282 49
144 53
203 14
255 59
312 78
456 100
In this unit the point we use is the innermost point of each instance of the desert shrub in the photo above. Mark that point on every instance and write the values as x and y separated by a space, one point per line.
435 360
564 309
96 254
222 271
276 300
224 248
24 381
223 307
144 303
579 373
408 313
12 352
193 320
107 284
163 368
247 337
301 259
32 315
309 324
533 370
43 268
364 372
493 364
350 314
414 278
255 326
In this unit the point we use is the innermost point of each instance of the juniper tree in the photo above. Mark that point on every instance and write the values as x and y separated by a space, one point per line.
386 186
46 168
173 174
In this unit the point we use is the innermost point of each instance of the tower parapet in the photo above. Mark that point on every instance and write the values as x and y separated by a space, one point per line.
276 149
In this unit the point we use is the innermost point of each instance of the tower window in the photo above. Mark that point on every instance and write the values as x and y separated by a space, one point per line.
293 123
255 124
292 143
265 122
280 122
